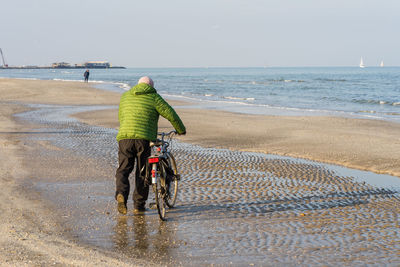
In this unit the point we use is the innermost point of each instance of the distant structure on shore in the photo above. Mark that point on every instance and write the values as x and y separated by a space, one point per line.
86 65
64 65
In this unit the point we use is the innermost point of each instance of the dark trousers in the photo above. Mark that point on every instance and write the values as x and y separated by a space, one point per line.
129 151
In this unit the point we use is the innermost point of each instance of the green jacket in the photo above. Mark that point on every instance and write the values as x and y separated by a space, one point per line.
138 114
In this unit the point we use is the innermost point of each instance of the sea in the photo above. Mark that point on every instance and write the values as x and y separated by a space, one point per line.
372 92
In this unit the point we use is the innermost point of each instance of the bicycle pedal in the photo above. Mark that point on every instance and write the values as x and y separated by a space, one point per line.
152 206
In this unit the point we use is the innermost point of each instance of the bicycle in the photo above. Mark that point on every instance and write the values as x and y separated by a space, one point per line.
164 173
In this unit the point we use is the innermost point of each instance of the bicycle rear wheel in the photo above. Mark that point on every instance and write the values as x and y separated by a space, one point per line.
173 185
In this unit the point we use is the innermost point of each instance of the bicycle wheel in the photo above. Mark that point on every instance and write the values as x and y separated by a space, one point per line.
173 185
160 193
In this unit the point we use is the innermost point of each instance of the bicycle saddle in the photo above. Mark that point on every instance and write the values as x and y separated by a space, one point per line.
155 143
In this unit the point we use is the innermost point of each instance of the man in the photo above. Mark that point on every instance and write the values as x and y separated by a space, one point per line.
138 114
86 75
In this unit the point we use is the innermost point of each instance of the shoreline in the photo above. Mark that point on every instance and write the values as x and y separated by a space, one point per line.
241 106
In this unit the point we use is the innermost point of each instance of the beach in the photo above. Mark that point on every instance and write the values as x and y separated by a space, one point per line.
57 184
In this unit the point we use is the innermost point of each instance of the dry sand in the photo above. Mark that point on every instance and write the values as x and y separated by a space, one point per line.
54 92
31 233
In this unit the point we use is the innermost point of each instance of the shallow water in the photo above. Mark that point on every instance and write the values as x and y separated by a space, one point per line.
233 207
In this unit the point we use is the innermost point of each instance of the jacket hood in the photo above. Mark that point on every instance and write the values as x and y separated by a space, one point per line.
142 89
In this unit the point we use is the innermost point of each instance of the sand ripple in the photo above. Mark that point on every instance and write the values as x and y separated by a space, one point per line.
244 208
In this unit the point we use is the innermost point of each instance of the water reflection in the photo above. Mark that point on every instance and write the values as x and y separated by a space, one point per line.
145 237
140 231
121 239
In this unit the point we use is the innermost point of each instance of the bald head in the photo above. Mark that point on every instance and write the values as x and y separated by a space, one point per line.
147 80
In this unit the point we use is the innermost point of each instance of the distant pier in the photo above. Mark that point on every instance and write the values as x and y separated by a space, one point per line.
65 65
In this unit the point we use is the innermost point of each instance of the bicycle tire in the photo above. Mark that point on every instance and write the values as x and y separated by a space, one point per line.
159 192
173 186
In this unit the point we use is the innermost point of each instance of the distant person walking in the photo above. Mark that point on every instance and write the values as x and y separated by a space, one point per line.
86 75
138 114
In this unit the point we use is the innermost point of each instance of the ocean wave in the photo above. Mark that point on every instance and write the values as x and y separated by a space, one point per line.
78 80
29 79
121 85
269 81
330 80
375 102
392 113
367 111
199 99
189 98
124 86
286 80
67 80
239 98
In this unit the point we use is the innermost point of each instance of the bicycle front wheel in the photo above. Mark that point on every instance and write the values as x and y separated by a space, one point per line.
160 193
173 183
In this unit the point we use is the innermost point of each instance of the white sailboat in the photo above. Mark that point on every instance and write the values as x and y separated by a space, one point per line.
362 63
381 64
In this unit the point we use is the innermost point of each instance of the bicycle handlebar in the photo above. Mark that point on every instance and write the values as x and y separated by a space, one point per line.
162 142
167 134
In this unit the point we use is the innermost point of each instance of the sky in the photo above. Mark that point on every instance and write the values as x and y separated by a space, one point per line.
206 33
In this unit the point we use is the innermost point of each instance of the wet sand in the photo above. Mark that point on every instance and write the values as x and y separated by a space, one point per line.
234 207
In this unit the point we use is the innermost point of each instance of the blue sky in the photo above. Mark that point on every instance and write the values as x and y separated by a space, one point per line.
207 33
